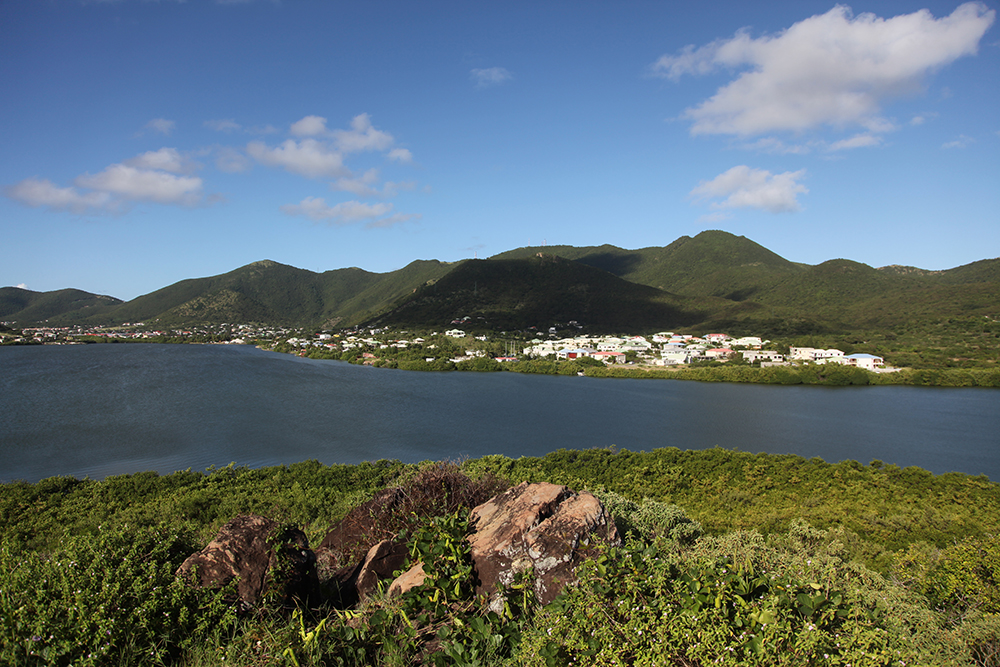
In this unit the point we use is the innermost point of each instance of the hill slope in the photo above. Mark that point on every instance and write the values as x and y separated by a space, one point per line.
28 307
714 280
542 291
274 293
713 263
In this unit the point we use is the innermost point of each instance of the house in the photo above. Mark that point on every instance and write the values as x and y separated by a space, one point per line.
754 342
676 356
753 356
567 353
869 362
455 333
609 357
609 344
815 355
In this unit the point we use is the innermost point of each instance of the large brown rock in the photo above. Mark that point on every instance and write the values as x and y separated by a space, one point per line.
348 568
261 556
545 528
381 562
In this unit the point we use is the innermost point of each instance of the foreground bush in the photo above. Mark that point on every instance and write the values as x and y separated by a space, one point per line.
773 560
107 599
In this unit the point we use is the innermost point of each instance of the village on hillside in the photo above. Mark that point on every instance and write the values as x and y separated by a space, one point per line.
669 349
660 349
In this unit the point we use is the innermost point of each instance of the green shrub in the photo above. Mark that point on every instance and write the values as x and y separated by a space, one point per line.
107 599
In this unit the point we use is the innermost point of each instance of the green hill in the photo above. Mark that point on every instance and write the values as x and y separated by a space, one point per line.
715 280
28 307
713 263
274 293
545 290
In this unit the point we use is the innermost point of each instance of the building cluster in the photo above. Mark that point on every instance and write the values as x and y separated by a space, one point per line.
669 349
660 349
139 331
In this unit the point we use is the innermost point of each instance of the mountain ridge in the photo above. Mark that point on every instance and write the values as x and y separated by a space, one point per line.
712 279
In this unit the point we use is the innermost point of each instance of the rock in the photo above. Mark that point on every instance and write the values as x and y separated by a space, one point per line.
542 527
436 490
382 561
408 580
364 526
261 556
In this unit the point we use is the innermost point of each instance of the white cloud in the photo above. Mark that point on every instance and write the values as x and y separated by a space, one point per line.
962 142
779 147
364 186
41 192
310 126
361 186
743 187
492 76
161 125
857 141
165 159
146 177
231 160
22 285
362 136
322 153
309 157
134 184
345 213
223 125
401 155
832 69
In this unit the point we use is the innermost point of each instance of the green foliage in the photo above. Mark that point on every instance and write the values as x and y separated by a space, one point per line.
773 560
649 519
728 490
963 576
107 599
481 364
643 606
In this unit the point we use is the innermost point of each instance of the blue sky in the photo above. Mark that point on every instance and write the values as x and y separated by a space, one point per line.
147 142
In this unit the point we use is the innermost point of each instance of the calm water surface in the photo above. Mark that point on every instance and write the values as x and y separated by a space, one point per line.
99 410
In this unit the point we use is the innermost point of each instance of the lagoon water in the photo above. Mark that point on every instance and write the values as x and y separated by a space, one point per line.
101 410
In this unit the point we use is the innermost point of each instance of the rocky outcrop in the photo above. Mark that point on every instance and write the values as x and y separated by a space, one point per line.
263 558
544 528
349 570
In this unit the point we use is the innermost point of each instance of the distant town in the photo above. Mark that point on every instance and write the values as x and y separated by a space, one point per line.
659 349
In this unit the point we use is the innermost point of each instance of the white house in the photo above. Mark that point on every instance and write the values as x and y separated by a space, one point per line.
869 362
753 356
748 341
815 355
675 356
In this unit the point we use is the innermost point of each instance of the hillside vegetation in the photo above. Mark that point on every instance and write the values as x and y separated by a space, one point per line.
33 307
730 558
713 281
